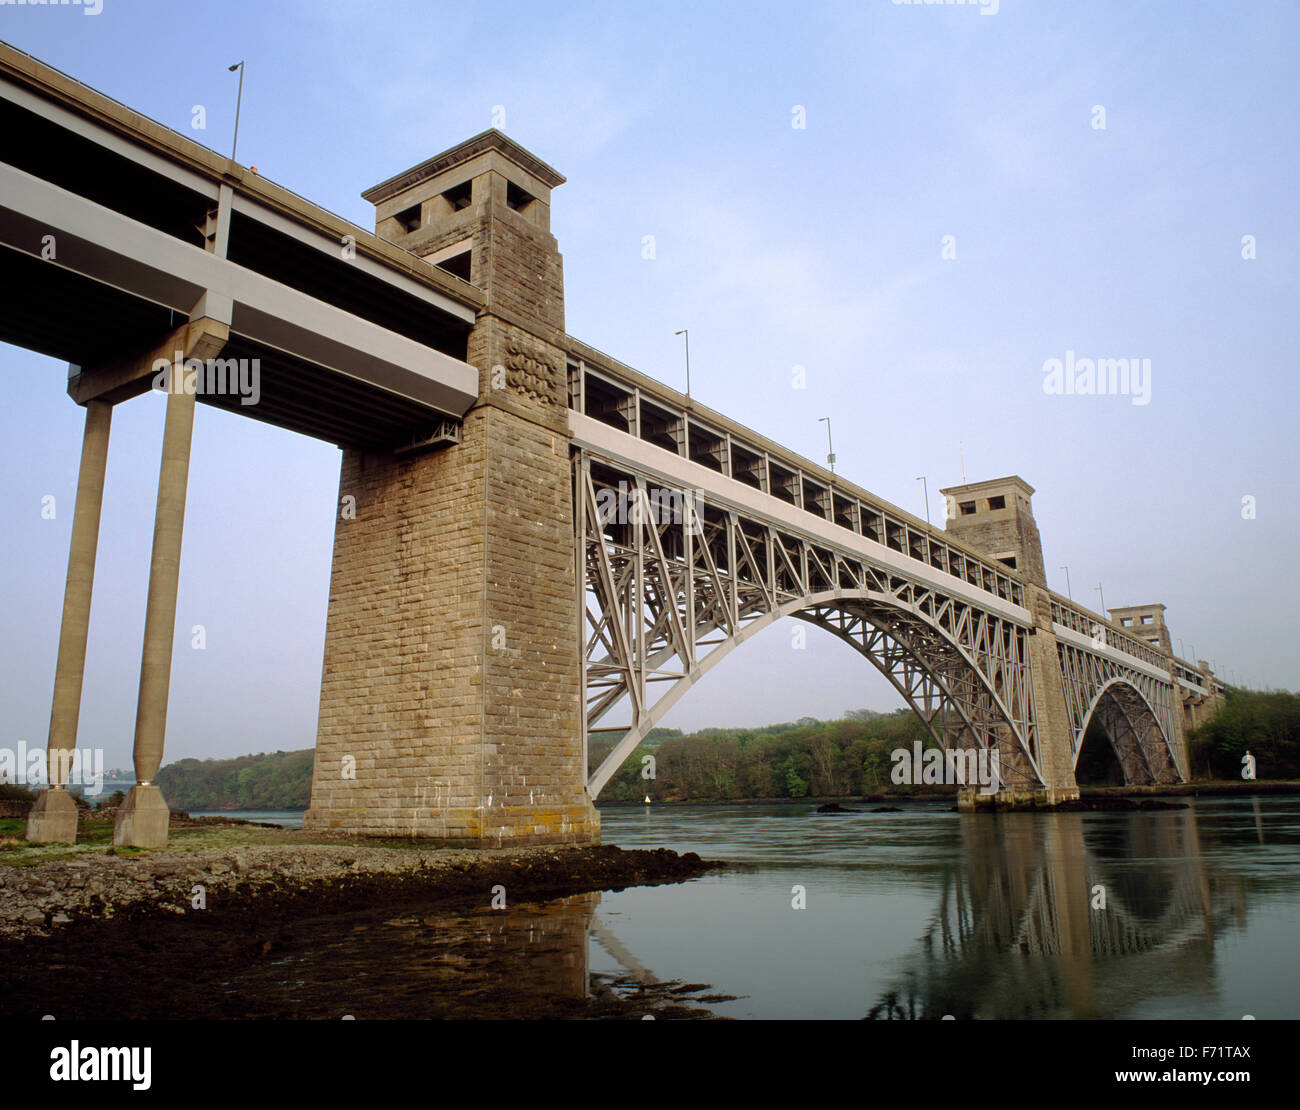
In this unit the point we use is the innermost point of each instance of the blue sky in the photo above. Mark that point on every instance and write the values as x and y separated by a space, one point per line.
777 246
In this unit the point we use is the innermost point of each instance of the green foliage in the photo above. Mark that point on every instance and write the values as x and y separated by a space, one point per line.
113 800
278 780
1264 723
809 758
657 736
12 792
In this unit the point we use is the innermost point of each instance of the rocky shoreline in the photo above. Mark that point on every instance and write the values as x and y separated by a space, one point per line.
285 880
287 929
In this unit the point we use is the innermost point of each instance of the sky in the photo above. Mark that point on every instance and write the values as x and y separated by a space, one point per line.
920 205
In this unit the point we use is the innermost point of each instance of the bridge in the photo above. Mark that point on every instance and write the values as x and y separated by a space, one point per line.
535 543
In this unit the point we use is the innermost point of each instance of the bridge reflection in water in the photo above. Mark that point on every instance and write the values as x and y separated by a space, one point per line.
1026 889
555 936
527 960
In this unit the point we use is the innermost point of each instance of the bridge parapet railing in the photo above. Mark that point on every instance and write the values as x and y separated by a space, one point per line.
184 179
1192 676
605 390
1086 623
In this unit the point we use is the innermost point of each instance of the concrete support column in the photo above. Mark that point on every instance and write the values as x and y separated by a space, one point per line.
143 818
54 817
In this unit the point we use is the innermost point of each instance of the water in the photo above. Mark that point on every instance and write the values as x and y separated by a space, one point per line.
285 818
925 913
919 914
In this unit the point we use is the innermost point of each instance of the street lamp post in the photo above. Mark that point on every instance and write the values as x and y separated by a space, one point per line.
1103 602
239 100
1068 592
925 489
687 333
830 447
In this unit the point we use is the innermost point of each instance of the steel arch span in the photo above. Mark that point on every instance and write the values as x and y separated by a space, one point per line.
1141 745
1139 703
671 592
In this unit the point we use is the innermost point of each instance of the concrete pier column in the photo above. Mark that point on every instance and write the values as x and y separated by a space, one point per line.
54 817
143 818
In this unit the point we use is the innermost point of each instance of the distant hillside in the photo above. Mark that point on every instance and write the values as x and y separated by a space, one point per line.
805 758
282 780
275 780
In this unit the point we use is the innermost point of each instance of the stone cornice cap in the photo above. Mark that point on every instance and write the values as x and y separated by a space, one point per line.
463 152
991 484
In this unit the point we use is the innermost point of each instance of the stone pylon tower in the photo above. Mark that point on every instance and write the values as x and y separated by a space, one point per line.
450 696
1146 622
997 518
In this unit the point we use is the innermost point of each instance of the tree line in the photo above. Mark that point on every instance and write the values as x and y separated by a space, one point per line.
804 759
851 756
273 780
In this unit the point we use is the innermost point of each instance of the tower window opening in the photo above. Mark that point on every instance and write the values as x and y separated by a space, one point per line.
460 196
409 219
517 198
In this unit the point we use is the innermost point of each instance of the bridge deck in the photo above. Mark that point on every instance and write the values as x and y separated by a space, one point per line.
113 228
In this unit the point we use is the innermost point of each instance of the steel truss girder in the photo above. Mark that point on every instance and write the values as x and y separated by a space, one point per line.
668 594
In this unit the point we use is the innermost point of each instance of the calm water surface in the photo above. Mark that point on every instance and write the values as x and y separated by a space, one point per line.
922 913
925 913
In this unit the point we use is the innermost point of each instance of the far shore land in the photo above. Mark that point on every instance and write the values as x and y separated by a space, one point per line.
1209 788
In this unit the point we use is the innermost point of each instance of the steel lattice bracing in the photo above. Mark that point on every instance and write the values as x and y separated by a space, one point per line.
674 583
